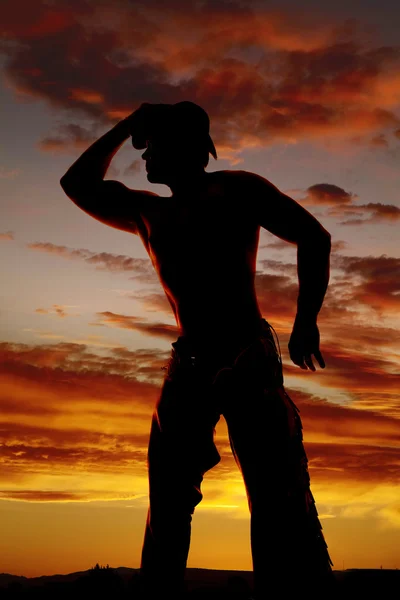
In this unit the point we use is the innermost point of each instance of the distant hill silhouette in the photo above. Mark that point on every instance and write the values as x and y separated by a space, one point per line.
121 583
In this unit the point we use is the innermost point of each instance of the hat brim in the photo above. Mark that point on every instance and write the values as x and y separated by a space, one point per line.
211 148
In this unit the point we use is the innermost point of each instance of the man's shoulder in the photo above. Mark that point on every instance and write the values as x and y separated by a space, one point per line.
239 181
239 175
231 173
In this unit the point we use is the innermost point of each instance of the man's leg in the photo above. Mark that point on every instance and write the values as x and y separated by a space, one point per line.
288 547
181 450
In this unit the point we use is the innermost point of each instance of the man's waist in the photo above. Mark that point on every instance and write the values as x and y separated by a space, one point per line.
222 343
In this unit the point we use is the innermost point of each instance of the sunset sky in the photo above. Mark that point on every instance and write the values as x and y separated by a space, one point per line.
306 95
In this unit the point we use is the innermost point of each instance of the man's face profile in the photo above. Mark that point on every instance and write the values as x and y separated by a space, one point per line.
157 156
165 159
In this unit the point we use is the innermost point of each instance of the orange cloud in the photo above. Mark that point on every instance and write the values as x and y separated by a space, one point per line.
8 235
58 310
89 96
77 413
29 361
68 415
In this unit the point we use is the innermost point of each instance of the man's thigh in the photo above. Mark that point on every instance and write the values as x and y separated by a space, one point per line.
264 425
183 426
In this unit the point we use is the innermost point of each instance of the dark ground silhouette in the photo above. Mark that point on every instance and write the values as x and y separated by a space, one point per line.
207 584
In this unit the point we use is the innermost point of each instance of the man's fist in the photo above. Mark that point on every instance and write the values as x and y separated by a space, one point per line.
145 122
138 125
304 341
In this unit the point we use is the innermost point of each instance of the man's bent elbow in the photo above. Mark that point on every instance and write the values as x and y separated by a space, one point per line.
316 237
323 241
322 236
66 184
75 188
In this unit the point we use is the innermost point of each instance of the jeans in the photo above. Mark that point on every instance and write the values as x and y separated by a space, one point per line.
265 432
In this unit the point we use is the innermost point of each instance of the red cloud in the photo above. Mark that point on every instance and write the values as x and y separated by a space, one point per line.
340 203
379 141
376 211
274 75
380 280
327 194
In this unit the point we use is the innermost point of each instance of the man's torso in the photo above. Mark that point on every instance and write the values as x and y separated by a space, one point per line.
204 250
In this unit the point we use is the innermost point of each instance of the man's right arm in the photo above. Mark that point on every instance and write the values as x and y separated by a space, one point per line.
287 219
108 201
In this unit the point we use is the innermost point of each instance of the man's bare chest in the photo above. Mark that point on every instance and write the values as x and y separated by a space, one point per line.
189 232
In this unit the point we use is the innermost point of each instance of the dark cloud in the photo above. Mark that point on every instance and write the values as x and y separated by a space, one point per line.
340 203
327 194
376 211
163 330
375 280
71 138
103 261
273 74
334 463
277 295
379 141
47 457
344 424
354 371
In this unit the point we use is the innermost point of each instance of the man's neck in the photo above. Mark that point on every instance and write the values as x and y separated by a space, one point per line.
190 183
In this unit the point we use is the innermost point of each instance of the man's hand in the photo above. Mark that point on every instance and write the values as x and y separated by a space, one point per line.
145 122
137 124
304 341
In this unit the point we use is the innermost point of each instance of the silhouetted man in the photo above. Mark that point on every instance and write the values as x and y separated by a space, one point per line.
202 241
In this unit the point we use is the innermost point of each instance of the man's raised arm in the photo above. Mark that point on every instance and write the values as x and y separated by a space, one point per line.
285 218
110 202
91 167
